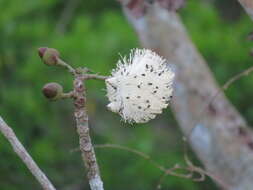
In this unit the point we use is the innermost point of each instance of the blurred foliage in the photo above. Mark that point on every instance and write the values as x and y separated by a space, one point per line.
95 34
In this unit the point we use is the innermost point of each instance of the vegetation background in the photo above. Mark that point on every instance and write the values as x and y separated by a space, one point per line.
93 36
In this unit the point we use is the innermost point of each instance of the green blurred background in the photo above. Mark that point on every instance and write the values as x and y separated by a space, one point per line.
92 35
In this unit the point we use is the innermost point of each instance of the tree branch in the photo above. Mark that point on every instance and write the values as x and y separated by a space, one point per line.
248 6
87 150
174 171
54 91
24 156
95 76
221 139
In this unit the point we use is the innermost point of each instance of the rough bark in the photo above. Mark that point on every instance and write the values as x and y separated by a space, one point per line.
248 6
86 147
220 138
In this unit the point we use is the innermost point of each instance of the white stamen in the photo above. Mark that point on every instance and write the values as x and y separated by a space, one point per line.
140 87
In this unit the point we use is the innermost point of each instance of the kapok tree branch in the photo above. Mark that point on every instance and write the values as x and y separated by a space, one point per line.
86 147
24 156
54 91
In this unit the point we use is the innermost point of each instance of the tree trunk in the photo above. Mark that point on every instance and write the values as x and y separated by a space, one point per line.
220 138
248 6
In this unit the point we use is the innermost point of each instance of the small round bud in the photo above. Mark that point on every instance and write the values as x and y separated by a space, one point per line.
52 90
49 56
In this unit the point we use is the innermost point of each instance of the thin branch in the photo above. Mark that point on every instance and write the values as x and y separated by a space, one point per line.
66 66
87 150
229 82
237 77
116 146
95 76
201 171
191 168
67 95
24 156
167 171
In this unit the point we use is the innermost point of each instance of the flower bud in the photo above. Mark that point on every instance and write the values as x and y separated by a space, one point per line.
49 56
52 90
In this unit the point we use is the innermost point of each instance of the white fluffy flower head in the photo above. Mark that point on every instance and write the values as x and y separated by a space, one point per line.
140 87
